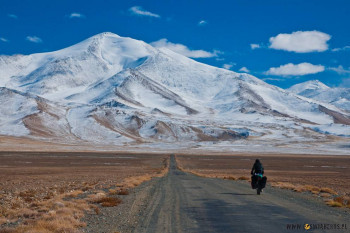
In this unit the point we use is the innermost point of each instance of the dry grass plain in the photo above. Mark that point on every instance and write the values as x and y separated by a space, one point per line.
324 176
51 191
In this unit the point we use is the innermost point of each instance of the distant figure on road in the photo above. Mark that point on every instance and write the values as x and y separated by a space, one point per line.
258 180
258 168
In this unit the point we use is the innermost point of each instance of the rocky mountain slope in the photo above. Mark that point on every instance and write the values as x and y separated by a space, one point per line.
112 90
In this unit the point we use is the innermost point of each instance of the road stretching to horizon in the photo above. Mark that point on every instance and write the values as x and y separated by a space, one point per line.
185 203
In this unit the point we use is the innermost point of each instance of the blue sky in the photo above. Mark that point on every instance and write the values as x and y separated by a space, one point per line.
282 42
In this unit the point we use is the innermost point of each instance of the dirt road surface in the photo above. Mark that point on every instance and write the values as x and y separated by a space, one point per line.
182 202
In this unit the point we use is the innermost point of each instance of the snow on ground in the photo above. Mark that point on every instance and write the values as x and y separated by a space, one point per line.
333 129
85 127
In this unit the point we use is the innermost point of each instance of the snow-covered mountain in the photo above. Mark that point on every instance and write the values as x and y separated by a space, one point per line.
120 91
315 89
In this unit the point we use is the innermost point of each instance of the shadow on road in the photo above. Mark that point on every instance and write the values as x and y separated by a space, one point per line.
238 194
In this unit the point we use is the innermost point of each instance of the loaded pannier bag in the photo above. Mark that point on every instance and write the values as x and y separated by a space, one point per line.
262 182
254 182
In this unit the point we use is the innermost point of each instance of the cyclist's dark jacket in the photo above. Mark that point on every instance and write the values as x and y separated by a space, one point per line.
257 168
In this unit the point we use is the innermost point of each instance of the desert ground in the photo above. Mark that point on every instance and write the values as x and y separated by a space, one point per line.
34 185
76 191
184 202
298 169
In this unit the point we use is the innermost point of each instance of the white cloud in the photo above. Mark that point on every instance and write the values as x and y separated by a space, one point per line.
34 39
272 79
301 41
244 69
137 10
229 65
202 23
4 39
340 70
12 16
255 46
76 15
341 49
291 69
184 50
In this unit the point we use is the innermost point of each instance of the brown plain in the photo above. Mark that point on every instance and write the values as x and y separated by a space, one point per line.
51 191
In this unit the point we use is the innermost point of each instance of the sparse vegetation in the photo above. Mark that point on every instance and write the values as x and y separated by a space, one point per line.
113 191
230 178
74 193
123 192
283 185
301 188
105 201
340 200
110 201
333 203
243 178
96 209
57 203
325 195
96 197
292 172
329 195
329 191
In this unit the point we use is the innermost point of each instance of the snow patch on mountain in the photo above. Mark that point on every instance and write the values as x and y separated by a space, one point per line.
315 89
112 90
14 107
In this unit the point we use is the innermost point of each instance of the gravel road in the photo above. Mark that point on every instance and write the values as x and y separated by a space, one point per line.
182 202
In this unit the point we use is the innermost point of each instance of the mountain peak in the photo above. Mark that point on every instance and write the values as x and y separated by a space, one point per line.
106 34
315 84
107 41
307 86
317 90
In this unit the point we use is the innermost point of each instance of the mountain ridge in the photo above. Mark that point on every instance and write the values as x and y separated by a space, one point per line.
120 91
317 90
